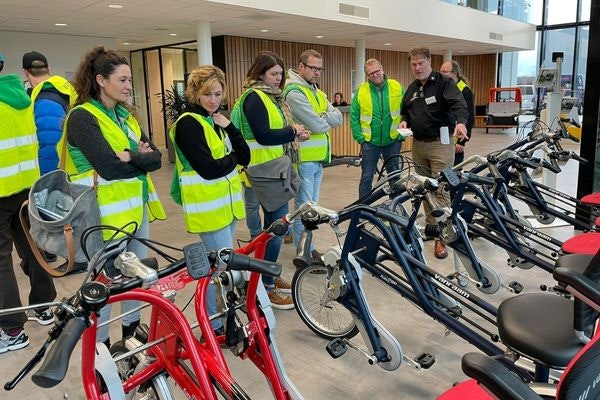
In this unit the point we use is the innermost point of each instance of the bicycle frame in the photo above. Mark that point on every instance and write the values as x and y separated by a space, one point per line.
262 349
421 284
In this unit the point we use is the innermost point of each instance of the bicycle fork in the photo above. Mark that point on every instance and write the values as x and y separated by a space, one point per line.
383 349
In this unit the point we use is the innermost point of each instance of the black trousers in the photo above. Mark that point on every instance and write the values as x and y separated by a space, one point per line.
42 286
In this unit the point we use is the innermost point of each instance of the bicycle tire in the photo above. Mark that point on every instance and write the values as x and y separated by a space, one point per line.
321 314
157 389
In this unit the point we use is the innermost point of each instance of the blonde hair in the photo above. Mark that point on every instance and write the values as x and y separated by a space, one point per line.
371 61
201 81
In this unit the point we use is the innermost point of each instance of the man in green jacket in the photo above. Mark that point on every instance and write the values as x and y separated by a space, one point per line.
374 118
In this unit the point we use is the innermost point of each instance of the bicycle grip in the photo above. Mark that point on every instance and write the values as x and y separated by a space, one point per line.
242 262
498 178
577 157
55 365
482 180
551 165
302 258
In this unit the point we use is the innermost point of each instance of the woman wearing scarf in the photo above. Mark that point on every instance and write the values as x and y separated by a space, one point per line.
208 148
267 126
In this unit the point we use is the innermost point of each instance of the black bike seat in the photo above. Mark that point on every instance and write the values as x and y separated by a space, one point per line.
539 326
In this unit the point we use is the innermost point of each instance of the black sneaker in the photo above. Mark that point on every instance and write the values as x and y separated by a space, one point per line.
13 342
77 268
44 317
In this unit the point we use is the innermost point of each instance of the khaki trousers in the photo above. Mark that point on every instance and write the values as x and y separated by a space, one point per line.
431 159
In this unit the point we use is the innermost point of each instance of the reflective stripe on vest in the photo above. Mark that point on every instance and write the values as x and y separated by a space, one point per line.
317 147
59 83
260 154
18 152
366 107
208 204
120 200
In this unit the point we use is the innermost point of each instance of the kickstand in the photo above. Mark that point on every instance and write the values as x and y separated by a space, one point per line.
29 366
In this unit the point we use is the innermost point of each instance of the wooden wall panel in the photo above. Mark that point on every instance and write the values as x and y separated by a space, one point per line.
339 62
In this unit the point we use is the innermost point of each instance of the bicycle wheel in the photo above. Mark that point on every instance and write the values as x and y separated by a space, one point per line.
156 389
315 306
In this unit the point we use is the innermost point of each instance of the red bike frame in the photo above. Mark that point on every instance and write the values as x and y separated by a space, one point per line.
168 322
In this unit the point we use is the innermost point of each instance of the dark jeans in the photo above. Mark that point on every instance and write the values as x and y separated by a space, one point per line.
274 245
42 286
458 158
370 157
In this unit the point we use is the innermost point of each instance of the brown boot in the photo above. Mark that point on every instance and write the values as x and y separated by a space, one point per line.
439 250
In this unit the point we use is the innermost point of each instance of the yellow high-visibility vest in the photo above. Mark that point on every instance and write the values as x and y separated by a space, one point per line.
208 204
120 200
366 107
18 150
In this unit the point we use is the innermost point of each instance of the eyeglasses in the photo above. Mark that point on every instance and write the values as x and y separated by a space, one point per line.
376 72
313 68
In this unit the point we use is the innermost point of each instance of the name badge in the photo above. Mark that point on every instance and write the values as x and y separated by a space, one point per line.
430 100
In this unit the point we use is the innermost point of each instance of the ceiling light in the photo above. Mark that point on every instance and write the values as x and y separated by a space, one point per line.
126 43
264 30
60 24
172 34
387 44
115 6
319 36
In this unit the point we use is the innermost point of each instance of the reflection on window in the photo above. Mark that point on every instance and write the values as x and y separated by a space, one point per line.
585 10
561 11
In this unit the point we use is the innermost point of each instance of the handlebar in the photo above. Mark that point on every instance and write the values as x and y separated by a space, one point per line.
73 321
56 362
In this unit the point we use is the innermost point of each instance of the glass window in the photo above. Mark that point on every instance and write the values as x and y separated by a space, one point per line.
560 40
585 10
521 10
581 66
561 11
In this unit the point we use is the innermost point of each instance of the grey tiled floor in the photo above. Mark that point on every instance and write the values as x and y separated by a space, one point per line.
315 374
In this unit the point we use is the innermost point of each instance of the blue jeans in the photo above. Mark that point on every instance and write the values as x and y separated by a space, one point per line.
370 157
252 212
311 175
274 245
216 240
141 251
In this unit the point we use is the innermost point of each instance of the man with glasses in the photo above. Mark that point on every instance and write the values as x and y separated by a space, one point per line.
433 108
310 107
375 118
452 70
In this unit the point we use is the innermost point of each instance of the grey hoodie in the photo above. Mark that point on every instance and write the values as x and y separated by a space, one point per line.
303 112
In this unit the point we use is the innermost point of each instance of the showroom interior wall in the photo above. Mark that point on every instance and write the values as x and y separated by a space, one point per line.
64 52
339 64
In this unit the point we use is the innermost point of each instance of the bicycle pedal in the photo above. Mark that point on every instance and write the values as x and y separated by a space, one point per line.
515 287
336 348
197 262
425 360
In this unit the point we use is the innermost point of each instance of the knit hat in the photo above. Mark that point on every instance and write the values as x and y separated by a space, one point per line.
33 59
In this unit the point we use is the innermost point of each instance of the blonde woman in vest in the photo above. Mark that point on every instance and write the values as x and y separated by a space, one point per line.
266 123
208 149
18 171
104 138
374 119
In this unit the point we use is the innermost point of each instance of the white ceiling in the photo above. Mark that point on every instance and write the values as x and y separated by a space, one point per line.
149 23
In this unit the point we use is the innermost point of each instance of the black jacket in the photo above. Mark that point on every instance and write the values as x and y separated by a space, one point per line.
427 108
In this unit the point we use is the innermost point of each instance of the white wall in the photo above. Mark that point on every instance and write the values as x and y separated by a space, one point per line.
429 17
62 51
